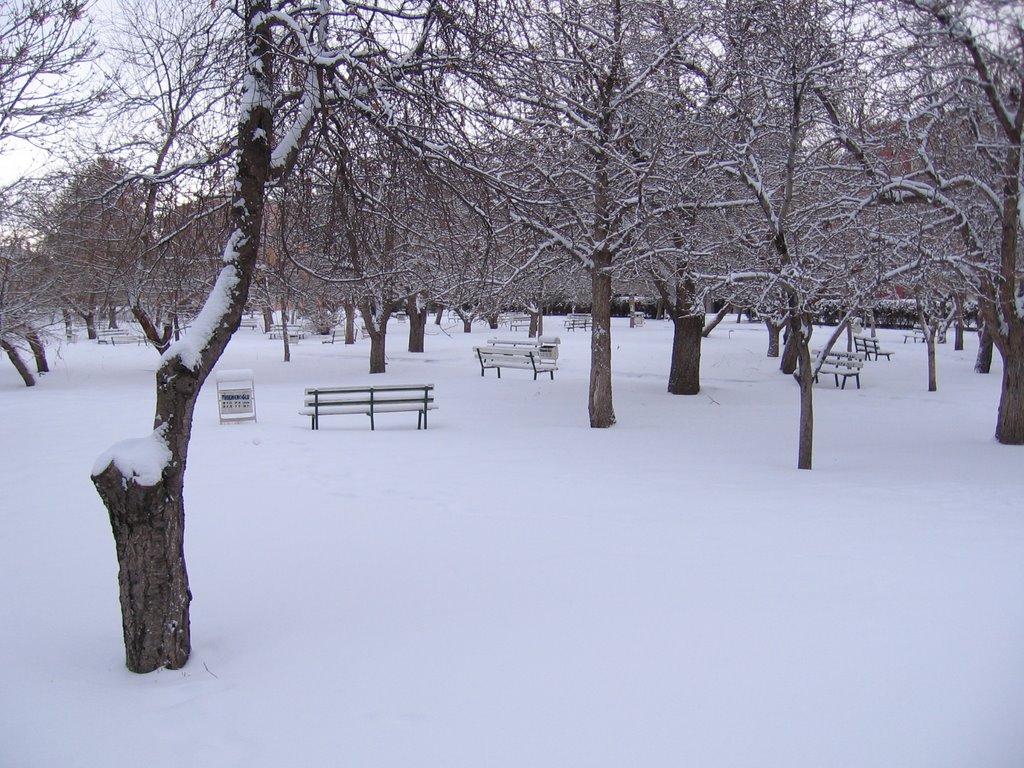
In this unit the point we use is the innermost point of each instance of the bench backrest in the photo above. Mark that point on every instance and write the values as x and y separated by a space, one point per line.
387 393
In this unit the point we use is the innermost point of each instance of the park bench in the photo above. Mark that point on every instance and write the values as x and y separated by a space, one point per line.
387 398
294 334
114 336
337 335
515 321
915 335
842 365
577 320
249 322
533 355
869 346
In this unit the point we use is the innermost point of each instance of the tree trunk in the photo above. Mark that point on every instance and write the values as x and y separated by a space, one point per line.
790 352
38 352
69 327
1010 419
983 363
350 323
602 414
536 323
90 325
112 317
377 328
378 352
492 321
929 340
18 363
148 522
805 377
440 314
268 319
684 373
141 482
285 341
774 332
958 333
467 324
933 384
417 323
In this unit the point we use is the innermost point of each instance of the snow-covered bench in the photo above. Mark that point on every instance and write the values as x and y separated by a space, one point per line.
577 320
869 346
842 365
387 398
294 334
114 336
915 335
529 356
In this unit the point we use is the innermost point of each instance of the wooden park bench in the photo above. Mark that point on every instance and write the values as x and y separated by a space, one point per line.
294 334
842 365
386 398
530 355
336 336
577 320
869 346
114 336
915 335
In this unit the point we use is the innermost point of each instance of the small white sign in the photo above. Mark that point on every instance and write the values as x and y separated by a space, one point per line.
236 396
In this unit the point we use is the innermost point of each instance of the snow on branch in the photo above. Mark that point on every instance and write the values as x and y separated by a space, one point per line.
139 460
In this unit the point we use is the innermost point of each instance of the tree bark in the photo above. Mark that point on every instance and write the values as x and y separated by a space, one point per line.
1010 419
378 350
536 322
983 363
377 328
350 323
774 332
285 341
602 414
90 325
684 372
805 378
790 353
69 328
929 340
18 363
417 323
38 352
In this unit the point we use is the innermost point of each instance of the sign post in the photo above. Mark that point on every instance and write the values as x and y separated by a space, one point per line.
236 396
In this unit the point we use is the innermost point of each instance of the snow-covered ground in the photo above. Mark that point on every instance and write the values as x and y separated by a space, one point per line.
511 588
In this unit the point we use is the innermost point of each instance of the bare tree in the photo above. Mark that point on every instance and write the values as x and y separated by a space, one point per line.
589 145
43 45
298 60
